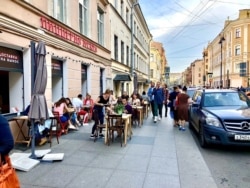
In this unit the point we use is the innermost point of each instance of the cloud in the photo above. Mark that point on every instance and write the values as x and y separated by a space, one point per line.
186 26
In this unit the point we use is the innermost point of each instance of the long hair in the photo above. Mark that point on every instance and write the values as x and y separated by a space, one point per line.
60 101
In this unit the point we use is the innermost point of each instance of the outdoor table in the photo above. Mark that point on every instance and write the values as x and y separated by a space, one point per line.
140 113
20 122
127 130
145 108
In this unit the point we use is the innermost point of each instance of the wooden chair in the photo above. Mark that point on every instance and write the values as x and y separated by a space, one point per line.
63 125
114 123
55 129
98 127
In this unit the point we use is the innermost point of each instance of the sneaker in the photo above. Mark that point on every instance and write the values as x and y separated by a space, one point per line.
183 129
180 128
159 118
101 135
92 136
72 127
155 119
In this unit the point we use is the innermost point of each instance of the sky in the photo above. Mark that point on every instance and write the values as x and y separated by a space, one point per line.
185 27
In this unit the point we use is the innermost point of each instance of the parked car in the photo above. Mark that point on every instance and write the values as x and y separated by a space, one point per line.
191 91
220 116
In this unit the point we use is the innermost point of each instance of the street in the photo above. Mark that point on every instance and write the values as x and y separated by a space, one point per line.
229 166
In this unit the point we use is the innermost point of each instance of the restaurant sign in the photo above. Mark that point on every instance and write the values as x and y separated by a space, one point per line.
10 59
67 35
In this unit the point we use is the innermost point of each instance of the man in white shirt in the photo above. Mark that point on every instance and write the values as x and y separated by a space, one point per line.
77 102
78 105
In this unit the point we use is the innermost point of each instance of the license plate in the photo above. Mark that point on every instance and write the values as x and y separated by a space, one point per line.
242 137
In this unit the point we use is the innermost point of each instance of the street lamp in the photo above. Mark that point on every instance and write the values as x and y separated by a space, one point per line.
132 37
221 42
204 73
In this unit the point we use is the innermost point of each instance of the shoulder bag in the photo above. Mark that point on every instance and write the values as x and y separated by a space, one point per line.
8 176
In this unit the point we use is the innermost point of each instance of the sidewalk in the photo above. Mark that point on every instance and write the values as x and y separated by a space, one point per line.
158 156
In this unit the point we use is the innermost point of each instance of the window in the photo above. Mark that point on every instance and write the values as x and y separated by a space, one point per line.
59 10
151 73
151 57
127 56
116 47
237 50
237 33
122 6
127 16
122 52
83 17
100 26
116 4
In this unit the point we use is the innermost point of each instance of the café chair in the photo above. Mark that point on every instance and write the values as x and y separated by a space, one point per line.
98 127
114 123
55 129
63 125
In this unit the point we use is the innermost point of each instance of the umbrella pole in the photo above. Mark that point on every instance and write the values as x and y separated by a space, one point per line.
33 155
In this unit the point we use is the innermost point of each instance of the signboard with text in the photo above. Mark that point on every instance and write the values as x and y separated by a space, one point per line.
10 59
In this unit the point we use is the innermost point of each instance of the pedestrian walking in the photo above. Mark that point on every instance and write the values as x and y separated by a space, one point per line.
182 108
158 94
172 99
151 97
166 96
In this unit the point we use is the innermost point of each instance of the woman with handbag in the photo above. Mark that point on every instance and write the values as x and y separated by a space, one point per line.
8 177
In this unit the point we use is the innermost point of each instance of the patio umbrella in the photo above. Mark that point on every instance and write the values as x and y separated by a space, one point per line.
38 106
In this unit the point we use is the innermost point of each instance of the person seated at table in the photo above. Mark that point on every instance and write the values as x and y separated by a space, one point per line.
88 105
112 99
127 107
73 115
135 100
43 130
125 95
61 107
98 114
144 97
80 112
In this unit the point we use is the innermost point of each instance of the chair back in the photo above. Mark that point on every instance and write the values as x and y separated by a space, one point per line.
114 120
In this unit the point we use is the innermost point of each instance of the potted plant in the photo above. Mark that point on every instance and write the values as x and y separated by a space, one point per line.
119 108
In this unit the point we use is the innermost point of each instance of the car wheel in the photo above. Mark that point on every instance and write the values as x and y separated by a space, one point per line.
202 140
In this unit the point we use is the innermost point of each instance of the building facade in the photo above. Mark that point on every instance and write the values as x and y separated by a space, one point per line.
130 45
228 54
83 55
158 62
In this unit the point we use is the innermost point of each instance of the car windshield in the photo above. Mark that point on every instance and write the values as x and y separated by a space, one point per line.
225 99
190 92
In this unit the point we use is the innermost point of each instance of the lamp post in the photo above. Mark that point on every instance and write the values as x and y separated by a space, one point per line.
204 72
132 37
221 42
